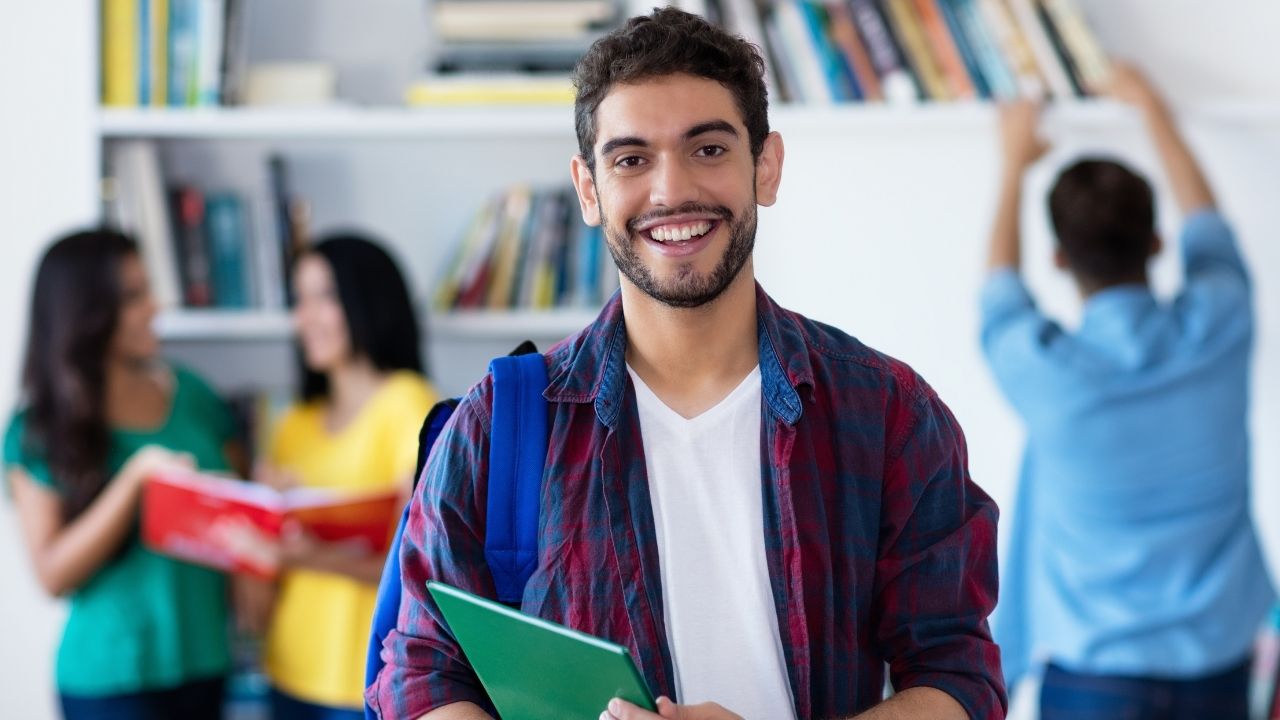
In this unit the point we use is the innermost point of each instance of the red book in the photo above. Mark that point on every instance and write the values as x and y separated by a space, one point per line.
235 525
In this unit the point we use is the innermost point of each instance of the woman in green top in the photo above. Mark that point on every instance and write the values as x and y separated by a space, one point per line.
147 636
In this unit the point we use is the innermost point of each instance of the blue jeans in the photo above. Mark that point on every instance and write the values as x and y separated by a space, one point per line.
1067 695
287 707
198 700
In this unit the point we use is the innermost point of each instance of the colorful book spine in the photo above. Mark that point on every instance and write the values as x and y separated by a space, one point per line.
844 35
941 42
1095 69
907 27
896 81
227 238
121 53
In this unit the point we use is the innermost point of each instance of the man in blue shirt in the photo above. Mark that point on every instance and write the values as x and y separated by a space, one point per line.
1134 569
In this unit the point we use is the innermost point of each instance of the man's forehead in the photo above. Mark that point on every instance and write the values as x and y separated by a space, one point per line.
663 108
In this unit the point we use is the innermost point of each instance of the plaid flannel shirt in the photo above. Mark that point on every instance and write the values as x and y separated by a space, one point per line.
880 547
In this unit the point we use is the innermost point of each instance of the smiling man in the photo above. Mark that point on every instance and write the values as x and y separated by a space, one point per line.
765 511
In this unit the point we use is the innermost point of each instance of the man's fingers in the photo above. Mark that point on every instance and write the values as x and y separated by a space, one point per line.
667 708
622 710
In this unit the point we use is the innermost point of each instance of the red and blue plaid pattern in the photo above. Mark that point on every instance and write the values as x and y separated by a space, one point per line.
880 547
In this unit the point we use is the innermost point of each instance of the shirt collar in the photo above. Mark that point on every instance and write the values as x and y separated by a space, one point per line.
593 364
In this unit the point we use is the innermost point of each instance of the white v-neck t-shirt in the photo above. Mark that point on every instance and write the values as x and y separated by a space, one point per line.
705 488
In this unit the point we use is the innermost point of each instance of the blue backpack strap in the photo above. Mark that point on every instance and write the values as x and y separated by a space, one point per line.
517 457
386 609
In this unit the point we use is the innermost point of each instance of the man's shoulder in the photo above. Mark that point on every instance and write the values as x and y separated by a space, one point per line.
841 360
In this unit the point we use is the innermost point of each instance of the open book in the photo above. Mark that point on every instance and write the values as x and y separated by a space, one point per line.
235 525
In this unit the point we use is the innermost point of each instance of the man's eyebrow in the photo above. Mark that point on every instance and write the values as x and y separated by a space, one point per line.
628 141
693 132
710 126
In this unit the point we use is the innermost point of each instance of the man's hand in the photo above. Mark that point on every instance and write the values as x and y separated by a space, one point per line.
1129 85
668 710
1020 143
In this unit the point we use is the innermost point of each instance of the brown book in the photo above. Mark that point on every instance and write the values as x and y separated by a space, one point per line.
906 22
845 36
945 50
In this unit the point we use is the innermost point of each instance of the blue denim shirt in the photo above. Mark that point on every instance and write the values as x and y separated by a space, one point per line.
1132 550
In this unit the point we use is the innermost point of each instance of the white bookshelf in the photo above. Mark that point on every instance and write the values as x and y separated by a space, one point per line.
392 123
200 325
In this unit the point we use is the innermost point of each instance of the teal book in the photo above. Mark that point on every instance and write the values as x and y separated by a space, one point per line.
226 235
537 670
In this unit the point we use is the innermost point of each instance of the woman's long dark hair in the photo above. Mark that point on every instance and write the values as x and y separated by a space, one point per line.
75 308
375 301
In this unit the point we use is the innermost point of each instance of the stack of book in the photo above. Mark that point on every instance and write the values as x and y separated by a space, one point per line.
172 53
528 249
509 51
197 244
937 50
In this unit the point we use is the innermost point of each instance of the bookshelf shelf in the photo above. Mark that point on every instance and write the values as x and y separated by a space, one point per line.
518 324
557 122
223 325
273 325
337 122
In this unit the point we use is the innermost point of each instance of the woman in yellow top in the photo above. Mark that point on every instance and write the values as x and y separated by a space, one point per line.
356 428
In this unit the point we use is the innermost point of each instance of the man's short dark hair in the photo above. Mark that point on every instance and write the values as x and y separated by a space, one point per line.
668 42
1104 216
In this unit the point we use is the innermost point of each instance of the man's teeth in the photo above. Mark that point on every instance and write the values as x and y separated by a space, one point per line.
680 233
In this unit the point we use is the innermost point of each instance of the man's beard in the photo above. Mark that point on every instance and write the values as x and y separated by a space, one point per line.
689 289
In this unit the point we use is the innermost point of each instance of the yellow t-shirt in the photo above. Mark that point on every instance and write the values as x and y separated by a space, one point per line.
320 629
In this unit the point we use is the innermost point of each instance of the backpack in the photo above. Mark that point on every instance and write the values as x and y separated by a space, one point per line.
517 455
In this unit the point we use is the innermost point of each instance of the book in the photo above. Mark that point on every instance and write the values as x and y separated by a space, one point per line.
1061 51
183 46
967 47
144 212
1013 46
844 35
1095 69
234 525
1040 44
535 669
896 81
1000 79
906 26
807 60
490 89
954 71
186 210
121 53
226 232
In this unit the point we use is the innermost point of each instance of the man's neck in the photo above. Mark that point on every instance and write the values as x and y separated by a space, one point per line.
693 357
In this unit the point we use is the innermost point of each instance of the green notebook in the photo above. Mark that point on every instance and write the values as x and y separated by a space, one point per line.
534 669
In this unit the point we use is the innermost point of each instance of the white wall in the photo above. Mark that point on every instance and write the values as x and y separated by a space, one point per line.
47 173
879 231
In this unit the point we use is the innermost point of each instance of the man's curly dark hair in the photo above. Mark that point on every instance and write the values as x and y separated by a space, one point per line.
669 42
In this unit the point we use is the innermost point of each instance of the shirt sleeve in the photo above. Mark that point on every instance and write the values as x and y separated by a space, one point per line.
1216 296
1016 336
936 577
443 540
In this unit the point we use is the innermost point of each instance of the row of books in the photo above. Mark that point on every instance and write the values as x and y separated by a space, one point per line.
172 53
816 51
528 249
199 246
909 50
509 51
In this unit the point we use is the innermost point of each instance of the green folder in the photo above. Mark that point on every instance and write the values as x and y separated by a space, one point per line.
534 669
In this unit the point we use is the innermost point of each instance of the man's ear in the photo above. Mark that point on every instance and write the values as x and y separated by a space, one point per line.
769 170
585 185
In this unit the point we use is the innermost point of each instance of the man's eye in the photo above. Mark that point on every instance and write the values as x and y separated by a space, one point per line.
711 151
628 161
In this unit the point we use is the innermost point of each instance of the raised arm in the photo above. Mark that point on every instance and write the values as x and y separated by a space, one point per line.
1190 187
1020 148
